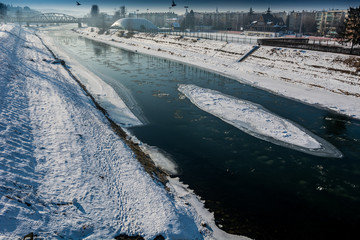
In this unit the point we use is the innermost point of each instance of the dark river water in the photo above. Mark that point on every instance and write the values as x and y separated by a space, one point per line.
255 188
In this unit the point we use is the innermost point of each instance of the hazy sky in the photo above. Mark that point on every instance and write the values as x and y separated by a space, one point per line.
197 5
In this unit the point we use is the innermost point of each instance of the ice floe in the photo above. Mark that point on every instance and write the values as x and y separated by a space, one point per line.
259 122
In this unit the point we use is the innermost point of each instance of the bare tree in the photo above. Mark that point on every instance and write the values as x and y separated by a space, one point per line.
309 23
19 15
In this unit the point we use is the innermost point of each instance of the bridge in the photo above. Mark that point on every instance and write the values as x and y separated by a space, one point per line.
52 18
48 18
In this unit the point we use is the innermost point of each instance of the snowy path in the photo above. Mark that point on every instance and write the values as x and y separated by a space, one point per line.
63 171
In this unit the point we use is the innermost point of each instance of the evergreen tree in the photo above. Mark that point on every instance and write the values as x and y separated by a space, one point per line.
189 21
351 31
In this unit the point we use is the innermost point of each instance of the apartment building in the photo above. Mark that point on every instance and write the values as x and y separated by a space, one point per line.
328 22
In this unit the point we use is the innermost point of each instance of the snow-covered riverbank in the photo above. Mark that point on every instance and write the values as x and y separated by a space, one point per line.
64 173
325 80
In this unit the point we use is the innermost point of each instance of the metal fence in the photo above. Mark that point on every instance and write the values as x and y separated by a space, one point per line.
329 42
239 38
217 36
310 44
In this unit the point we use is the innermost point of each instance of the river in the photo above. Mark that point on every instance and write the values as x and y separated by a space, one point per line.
255 188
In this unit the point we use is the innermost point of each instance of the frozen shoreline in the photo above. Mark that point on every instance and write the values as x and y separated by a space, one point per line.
324 80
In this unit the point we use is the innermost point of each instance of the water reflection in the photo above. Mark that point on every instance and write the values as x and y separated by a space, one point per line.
130 57
98 47
69 41
335 124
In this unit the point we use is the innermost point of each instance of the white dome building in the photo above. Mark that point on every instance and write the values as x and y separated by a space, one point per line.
134 24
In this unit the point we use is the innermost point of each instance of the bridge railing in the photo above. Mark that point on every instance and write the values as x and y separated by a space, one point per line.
46 18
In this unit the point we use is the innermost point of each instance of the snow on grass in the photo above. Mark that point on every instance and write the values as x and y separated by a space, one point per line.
64 173
257 121
326 80
103 93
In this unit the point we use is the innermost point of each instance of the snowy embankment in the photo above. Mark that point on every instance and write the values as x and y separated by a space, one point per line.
325 80
64 173
258 122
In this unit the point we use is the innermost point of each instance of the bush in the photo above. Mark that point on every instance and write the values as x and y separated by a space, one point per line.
130 34
101 31
120 33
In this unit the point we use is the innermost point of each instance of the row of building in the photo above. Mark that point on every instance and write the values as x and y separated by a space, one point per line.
324 23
